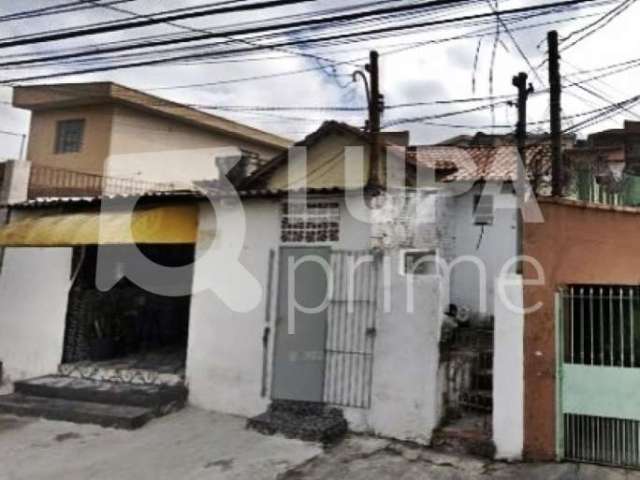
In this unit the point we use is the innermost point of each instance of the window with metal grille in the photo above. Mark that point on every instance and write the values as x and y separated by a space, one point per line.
310 222
483 209
69 136
602 325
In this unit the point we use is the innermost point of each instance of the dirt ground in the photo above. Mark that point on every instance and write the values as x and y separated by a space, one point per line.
194 444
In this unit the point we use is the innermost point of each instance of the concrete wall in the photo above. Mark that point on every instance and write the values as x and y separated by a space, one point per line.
124 142
15 182
159 149
508 369
406 401
574 245
225 353
493 246
34 286
95 147
325 165
224 359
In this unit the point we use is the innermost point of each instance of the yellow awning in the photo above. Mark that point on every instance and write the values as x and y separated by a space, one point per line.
165 224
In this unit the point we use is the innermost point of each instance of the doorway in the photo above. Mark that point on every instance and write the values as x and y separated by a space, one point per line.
126 331
300 333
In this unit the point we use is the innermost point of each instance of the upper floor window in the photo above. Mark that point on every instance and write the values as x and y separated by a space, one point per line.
69 136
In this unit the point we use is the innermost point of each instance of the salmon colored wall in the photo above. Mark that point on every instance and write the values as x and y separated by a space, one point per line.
95 147
112 130
574 245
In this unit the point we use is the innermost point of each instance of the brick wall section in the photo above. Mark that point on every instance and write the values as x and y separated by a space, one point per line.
576 244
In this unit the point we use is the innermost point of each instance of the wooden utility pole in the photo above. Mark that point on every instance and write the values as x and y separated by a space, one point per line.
555 89
520 82
376 107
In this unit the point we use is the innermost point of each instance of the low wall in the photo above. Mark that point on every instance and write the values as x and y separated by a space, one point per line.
406 391
508 368
34 288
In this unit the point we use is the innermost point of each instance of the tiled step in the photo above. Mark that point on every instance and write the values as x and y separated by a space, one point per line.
106 415
307 421
160 398
116 374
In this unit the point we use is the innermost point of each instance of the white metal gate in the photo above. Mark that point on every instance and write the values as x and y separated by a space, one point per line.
351 328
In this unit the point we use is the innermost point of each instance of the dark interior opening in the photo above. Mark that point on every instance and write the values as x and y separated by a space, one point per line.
127 321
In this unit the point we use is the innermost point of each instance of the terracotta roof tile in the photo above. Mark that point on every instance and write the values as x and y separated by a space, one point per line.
482 162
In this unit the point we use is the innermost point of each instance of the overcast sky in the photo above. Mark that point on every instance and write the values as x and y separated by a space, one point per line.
433 71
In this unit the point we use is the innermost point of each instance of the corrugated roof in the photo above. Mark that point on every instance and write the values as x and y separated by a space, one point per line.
172 195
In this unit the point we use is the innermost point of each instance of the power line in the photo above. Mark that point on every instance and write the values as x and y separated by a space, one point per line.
228 33
605 20
199 30
152 20
550 8
408 46
55 10
515 42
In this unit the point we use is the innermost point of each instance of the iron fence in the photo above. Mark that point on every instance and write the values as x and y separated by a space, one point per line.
47 181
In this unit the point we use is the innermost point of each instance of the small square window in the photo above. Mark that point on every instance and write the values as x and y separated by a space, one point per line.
69 136
483 209
420 262
310 222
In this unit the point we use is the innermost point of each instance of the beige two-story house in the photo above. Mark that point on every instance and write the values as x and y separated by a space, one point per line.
108 130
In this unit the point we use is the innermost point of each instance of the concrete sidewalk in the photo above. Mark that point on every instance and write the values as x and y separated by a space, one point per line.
362 458
191 444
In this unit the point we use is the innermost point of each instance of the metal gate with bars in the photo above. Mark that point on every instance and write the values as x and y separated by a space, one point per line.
598 374
351 328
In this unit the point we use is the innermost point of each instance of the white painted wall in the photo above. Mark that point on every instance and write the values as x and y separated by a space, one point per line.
152 148
165 166
508 369
16 182
493 247
34 287
225 356
406 400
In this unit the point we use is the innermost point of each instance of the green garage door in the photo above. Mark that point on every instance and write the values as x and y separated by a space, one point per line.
599 374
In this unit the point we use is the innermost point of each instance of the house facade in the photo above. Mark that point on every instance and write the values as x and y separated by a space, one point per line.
376 261
81 132
422 327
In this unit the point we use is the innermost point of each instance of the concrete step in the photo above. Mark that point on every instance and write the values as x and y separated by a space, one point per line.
309 421
106 415
160 398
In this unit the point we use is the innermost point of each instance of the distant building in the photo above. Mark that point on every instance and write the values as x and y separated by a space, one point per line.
606 167
497 140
